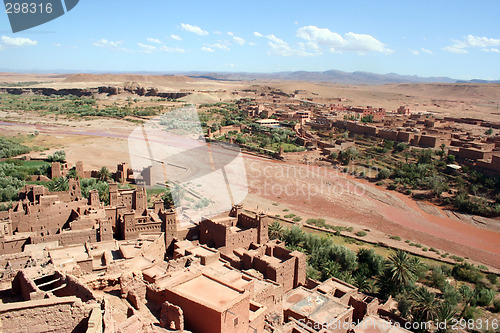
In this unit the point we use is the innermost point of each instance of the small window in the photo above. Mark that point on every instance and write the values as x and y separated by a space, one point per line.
235 321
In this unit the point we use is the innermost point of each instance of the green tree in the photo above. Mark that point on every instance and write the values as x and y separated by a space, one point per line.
168 202
445 313
58 156
275 230
58 184
400 269
424 307
104 174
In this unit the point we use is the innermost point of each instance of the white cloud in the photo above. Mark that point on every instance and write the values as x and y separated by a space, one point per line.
167 49
175 37
194 29
453 49
281 48
147 48
239 40
351 41
112 45
252 43
230 33
154 40
18 41
470 41
220 46
494 50
207 49
152 48
257 34
57 45
421 51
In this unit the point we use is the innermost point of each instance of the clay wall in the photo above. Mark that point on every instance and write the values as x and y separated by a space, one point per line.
10 245
74 288
405 136
41 217
387 134
246 221
212 234
46 315
241 238
474 154
300 273
68 237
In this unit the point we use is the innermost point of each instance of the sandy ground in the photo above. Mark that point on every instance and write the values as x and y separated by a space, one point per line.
319 192
311 191
449 99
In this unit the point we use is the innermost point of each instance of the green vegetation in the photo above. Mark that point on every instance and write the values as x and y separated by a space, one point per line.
11 148
423 174
361 233
58 156
15 173
253 136
400 275
73 106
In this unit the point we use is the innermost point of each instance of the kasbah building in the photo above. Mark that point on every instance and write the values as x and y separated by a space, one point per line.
70 264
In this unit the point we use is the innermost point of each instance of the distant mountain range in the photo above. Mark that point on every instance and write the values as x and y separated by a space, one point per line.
334 76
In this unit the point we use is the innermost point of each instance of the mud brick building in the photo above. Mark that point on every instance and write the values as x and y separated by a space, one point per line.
238 230
273 261
129 215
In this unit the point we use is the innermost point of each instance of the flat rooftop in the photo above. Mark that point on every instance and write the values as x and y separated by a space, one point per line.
319 308
372 324
209 291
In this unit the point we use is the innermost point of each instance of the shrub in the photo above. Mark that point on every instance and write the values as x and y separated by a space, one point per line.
466 272
469 313
9 148
395 238
492 278
383 174
392 187
484 296
361 233
58 156
496 305
297 219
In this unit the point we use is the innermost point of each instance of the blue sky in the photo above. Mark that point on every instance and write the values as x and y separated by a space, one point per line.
458 39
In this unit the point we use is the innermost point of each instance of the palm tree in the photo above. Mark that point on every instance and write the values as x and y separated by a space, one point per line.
400 269
72 173
59 184
362 283
275 230
444 316
329 269
104 174
425 305
419 269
